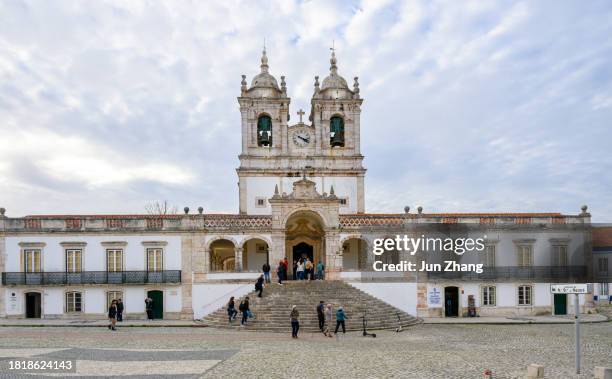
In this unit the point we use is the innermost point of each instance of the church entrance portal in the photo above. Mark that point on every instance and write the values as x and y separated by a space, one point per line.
304 239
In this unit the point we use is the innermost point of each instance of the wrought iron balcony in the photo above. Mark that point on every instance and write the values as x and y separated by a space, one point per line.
90 277
512 273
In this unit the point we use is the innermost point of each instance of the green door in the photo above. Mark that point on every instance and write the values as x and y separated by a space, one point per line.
560 304
158 303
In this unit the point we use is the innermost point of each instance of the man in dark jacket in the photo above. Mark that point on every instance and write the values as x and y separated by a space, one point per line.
244 308
259 285
119 310
321 315
266 271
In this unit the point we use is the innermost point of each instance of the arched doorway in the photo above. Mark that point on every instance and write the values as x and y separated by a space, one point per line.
255 253
451 301
222 256
304 238
33 305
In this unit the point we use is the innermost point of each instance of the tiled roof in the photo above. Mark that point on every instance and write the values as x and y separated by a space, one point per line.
602 236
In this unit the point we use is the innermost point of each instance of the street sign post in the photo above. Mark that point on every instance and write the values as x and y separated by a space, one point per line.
576 289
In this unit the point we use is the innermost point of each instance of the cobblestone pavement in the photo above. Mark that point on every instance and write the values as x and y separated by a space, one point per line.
423 351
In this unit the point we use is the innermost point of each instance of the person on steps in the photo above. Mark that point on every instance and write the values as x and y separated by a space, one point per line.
340 317
295 321
280 272
231 309
266 271
244 309
329 317
259 285
321 315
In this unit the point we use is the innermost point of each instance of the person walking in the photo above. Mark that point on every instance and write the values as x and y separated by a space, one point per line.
321 315
329 317
149 308
308 269
259 285
280 272
320 271
231 310
300 269
295 322
112 315
244 309
340 317
286 270
119 310
266 271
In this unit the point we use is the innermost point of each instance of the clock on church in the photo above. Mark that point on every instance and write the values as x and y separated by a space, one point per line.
301 138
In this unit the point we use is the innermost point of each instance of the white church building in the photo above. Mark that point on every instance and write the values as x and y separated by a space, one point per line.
301 194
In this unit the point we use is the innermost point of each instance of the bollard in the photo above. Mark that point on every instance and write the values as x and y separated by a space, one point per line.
602 373
535 371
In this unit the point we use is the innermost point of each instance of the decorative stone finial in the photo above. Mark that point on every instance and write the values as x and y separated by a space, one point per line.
333 68
186 209
283 85
406 209
356 88
584 209
264 61
420 210
317 88
331 191
200 210
276 190
243 84
2 211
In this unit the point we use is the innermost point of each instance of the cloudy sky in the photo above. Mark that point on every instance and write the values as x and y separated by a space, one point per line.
480 106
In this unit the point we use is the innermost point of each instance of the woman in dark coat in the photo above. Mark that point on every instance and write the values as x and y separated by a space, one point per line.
149 308
259 285
112 315
231 309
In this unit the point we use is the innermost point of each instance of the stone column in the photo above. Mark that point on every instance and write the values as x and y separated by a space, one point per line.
333 257
238 258
276 252
188 243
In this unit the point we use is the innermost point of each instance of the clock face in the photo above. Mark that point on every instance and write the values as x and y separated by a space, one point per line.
301 138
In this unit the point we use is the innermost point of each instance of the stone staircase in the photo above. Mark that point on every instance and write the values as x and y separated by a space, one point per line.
272 310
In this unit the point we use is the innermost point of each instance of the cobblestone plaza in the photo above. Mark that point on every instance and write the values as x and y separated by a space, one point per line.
422 351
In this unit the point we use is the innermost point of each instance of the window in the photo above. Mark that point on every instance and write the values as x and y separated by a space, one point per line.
31 260
559 255
343 201
336 131
73 260
603 266
488 296
264 131
154 259
113 295
260 202
524 295
488 256
525 255
73 302
114 260
604 290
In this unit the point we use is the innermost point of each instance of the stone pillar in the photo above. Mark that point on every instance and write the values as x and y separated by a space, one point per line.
2 269
276 252
238 258
333 255
188 242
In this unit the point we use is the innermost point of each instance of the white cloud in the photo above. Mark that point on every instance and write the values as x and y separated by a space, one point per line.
467 104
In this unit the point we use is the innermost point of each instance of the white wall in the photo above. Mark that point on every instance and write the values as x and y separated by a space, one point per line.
400 295
207 298
94 254
254 260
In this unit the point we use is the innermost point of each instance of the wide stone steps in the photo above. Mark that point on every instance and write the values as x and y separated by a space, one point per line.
272 310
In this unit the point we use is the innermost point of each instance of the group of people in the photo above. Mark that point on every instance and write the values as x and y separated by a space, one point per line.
243 308
304 269
324 316
115 313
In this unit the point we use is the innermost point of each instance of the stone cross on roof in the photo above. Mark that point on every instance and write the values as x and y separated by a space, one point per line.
300 113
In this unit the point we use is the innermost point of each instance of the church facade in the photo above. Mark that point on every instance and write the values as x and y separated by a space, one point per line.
301 194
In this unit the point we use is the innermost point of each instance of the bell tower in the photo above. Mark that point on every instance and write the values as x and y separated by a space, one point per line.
276 154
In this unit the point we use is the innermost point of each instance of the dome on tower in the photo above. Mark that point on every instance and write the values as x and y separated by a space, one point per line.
264 84
334 86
